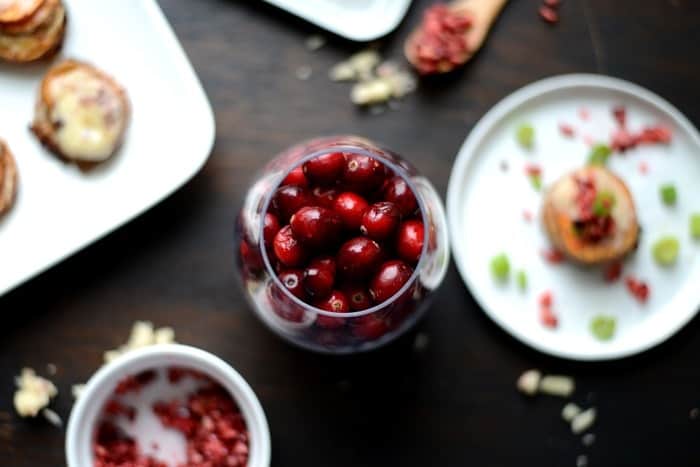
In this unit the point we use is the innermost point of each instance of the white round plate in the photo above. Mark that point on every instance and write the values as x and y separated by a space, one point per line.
486 206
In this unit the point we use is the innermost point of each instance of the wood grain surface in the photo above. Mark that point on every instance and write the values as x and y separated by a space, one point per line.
454 404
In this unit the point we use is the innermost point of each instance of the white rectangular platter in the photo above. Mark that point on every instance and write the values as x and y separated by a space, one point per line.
59 209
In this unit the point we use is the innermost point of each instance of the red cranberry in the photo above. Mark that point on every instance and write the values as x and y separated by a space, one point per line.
390 277
350 207
325 197
369 327
319 276
250 257
288 200
359 297
380 220
316 226
336 302
358 257
296 177
397 191
287 249
292 279
326 168
409 241
363 173
270 228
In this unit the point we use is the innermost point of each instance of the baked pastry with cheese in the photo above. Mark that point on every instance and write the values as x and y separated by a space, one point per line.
81 113
30 29
590 216
8 178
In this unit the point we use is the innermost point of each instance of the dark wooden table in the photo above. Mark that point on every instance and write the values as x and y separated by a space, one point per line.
453 404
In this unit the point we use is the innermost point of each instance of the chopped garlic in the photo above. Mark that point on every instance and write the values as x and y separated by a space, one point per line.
569 411
33 393
343 71
77 389
364 63
583 421
554 385
142 335
529 382
371 92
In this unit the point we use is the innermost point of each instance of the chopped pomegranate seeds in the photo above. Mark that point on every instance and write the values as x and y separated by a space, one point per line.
546 299
553 256
548 318
135 383
624 139
532 169
440 44
613 272
567 130
620 115
549 14
639 289
584 113
214 429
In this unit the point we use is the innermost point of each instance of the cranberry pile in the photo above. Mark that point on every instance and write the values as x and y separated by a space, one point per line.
209 419
343 233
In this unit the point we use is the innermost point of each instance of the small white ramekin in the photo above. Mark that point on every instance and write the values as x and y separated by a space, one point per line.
85 413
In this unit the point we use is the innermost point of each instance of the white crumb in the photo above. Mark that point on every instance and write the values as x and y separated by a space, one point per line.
583 421
529 382
557 385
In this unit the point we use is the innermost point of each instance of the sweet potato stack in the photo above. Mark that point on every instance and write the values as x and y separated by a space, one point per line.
30 29
8 178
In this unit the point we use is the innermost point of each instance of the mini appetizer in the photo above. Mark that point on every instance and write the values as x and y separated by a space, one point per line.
8 178
81 113
589 215
30 29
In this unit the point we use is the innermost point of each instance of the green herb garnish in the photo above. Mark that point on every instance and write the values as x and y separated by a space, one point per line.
599 155
669 194
525 135
603 327
536 181
695 226
500 267
603 203
665 250
521 279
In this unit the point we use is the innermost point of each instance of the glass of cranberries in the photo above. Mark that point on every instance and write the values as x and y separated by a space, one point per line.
340 245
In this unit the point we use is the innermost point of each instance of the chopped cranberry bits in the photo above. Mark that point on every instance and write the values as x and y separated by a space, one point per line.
440 43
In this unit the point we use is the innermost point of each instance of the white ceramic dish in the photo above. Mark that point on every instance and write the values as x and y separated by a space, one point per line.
60 210
485 213
85 413
357 20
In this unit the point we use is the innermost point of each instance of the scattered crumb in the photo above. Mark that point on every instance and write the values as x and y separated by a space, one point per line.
570 411
143 334
420 343
582 461
51 369
584 113
583 421
33 393
76 390
315 42
529 382
303 73
694 413
588 439
556 385
52 417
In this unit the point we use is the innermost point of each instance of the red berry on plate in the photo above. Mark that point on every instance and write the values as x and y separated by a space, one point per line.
325 169
350 207
380 220
296 177
548 318
389 279
359 297
324 197
369 327
288 200
292 279
319 276
409 241
363 173
397 191
316 226
358 257
287 248
336 302
270 228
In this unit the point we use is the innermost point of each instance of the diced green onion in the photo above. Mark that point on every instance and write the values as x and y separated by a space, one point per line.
536 181
603 327
665 250
695 226
669 195
521 279
525 135
603 204
500 267
599 155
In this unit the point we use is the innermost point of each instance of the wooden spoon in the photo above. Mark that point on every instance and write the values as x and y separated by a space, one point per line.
482 13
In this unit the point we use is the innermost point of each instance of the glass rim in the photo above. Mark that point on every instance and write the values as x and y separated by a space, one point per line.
397 169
